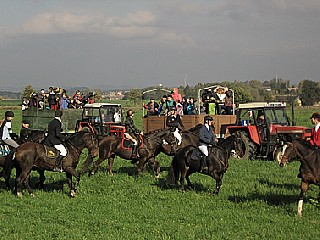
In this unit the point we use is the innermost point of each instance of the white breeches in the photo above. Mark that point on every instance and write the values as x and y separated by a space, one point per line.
177 135
204 150
128 136
62 149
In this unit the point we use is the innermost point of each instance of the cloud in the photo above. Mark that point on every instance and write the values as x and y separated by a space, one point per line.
141 24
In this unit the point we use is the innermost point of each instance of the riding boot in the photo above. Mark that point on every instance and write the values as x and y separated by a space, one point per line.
58 167
203 164
134 152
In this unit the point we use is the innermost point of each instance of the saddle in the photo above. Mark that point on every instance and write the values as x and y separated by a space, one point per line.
51 152
127 143
196 154
4 150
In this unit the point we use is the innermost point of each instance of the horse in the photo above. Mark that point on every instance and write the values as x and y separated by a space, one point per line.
187 161
32 155
6 161
309 171
111 146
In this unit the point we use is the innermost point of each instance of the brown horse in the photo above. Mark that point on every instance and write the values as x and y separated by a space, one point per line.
112 146
309 171
187 161
33 156
6 161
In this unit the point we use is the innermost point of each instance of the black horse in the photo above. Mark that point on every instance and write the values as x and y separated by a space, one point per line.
31 155
309 171
187 161
111 146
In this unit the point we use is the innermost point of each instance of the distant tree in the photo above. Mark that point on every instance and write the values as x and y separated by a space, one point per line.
27 91
309 92
242 96
134 95
98 95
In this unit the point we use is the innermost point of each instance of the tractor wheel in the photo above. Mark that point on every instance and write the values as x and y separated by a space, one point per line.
277 155
249 147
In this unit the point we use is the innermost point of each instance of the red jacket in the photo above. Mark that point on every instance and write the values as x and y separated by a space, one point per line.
315 137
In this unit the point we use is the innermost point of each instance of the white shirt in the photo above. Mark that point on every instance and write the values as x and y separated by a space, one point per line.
316 127
207 126
6 132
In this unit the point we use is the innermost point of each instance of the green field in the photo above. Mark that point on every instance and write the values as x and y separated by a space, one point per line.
258 200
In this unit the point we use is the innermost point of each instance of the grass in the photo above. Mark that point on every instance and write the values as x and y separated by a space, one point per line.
258 200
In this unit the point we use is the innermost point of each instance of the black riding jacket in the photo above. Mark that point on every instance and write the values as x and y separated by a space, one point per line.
173 121
55 136
130 127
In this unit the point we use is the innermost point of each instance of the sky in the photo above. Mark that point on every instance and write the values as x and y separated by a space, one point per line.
141 43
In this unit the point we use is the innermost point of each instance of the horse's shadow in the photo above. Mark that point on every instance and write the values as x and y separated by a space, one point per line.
289 186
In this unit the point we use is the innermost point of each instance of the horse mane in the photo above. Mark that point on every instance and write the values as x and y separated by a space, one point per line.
305 143
195 128
156 131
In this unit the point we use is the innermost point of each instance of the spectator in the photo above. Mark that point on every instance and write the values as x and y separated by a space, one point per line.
219 99
25 104
207 97
77 97
228 103
161 104
64 101
152 107
169 105
185 105
190 107
41 99
52 101
179 108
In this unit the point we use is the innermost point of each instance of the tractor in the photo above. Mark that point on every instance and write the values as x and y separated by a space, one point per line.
265 140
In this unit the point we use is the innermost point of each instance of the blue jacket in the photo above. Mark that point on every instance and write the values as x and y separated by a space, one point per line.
206 136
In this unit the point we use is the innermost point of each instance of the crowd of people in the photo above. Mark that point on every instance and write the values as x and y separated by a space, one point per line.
221 98
56 98
183 106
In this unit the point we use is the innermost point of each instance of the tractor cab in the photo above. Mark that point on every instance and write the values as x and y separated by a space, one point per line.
265 127
102 119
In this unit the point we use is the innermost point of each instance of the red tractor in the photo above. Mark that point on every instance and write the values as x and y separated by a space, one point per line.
264 128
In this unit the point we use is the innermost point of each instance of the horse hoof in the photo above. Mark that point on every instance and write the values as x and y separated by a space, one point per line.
32 195
19 194
73 194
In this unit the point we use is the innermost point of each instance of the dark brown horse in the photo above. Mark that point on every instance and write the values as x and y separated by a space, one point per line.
6 161
187 161
309 171
112 146
33 156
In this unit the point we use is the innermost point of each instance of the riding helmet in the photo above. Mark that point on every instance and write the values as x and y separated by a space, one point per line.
9 114
130 112
58 113
208 118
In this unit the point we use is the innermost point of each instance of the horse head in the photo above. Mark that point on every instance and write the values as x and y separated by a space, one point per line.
86 140
288 153
162 138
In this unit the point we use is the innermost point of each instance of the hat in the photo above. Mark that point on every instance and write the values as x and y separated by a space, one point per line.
25 122
152 98
58 113
315 115
208 118
9 114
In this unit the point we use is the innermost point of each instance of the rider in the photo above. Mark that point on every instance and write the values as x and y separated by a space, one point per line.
55 138
173 121
132 132
206 138
25 131
5 129
315 134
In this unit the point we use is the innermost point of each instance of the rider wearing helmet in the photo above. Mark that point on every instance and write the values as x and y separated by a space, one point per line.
55 139
173 121
132 132
5 129
206 138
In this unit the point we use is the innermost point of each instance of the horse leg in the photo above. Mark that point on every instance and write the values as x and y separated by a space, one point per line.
140 165
95 166
184 175
42 178
70 171
20 181
86 164
304 189
27 185
189 184
154 164
110 164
